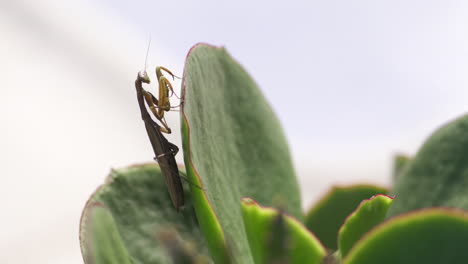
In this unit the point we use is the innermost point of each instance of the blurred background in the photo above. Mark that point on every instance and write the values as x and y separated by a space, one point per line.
353 83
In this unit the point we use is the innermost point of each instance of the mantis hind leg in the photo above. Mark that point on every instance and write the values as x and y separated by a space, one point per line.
173 149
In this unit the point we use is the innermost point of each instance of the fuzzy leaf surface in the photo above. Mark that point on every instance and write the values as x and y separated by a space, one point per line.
234 147
104 244
137 199
278 238
327 216
370 213
438 174
430 236
400 162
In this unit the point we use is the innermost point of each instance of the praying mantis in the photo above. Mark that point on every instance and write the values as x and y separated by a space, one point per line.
164 150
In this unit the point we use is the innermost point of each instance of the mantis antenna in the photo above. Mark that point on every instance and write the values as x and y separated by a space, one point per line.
147 52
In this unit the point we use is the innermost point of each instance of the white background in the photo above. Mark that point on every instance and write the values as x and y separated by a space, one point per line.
353 82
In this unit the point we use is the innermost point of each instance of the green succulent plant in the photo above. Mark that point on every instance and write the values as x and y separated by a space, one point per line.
243 202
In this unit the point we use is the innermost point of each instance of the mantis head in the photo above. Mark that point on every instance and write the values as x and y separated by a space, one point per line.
143 76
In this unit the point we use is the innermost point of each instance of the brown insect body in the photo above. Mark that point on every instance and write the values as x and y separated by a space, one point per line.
164 150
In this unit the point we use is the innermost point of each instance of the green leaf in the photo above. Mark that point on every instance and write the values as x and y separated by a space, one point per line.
327 216
104 244
438 174
426 236
180 252
234 147
400 162
369 213
138 201
278 238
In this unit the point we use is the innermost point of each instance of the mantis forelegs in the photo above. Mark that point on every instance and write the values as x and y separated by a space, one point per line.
159 106
152 102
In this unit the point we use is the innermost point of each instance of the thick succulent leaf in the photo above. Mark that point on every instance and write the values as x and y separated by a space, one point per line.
438 174
104 244
370 213
180 252
426 236
400 162
233 147
327 216
138 201
278 238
